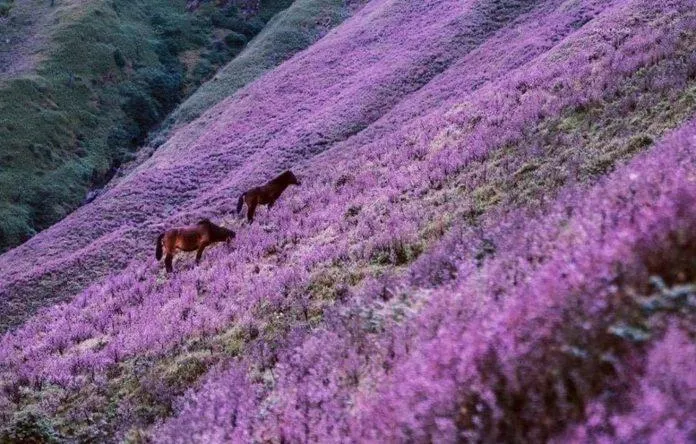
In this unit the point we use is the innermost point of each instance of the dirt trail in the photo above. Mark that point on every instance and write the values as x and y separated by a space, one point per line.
21 38
26 30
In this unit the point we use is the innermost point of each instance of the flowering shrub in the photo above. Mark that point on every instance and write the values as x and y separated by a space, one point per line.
399 294
480 360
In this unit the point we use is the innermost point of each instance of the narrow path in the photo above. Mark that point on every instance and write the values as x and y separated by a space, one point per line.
23 36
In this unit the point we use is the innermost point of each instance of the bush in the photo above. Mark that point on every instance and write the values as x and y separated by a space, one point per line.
235 40
237 25
13 225
165 55
216 57
122 136
138 105
119 59
29 427
5 7
202 71
165 87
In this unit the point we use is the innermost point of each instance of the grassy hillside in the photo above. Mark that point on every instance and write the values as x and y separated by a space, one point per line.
89 84
57 282
288 32
493 242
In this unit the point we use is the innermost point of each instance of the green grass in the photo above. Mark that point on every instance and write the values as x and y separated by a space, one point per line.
5 7
290 31
111 71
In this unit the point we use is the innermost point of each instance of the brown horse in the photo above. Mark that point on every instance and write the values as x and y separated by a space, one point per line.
266 194
195 237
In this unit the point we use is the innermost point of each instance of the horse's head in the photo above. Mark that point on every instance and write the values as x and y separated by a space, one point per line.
224 234
217 232
229 234
291 178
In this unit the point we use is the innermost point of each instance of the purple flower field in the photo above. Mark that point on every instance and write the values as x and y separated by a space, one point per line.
494 241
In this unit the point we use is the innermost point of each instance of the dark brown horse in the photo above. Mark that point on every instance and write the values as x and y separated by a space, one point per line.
266 194
195 237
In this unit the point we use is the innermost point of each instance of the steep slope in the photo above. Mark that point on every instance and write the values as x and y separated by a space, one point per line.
321 108
22 26
65 271
82 82
290 31
399 294
581 312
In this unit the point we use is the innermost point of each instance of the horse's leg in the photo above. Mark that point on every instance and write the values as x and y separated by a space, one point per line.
168 262
252 210
199 254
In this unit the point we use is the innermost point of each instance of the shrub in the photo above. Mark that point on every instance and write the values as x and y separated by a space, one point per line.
5 7
139 106
119 59
203 70
164 86
29 426
235 39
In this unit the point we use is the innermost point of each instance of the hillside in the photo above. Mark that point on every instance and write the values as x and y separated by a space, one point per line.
289 31
303 22
493 242
83 82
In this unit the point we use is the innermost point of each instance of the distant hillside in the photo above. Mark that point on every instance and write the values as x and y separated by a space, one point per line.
82 83
304 22
494 241
292 30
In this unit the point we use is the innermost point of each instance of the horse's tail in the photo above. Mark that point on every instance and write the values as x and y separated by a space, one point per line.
240 203
158 248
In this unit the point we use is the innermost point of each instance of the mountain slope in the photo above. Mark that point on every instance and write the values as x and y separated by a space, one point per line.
121 223
452 259
290 31
82 83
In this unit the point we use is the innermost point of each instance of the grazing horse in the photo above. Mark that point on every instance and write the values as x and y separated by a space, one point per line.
266 194
195 237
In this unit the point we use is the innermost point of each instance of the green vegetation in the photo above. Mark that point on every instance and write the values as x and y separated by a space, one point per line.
112 71
290 31
147 385
29 426
5 7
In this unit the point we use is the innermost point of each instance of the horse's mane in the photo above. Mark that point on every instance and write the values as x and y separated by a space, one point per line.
205 221
283 177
